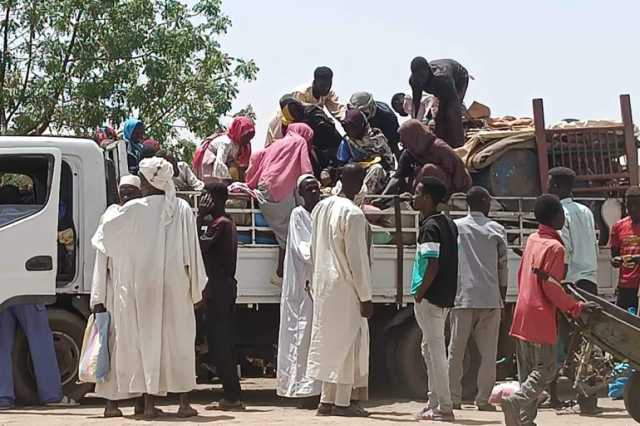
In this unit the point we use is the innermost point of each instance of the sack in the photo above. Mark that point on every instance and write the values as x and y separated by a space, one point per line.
94 357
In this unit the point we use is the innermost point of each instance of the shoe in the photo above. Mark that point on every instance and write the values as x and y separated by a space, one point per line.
436 415
324 409
511 413
64 402
353 410
224 405
276 281
486 407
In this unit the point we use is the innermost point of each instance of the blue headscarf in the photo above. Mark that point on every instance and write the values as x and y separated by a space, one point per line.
134 148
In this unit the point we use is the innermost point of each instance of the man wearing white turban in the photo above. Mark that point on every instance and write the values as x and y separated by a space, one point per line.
296 304
161 279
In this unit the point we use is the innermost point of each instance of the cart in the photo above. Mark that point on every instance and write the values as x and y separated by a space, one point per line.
607 335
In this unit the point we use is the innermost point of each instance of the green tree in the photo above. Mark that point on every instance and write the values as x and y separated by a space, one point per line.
72 65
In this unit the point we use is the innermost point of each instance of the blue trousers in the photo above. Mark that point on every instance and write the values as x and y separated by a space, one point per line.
34 322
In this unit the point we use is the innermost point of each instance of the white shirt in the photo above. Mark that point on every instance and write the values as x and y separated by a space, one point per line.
581 244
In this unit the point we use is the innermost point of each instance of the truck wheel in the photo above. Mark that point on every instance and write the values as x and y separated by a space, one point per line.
632 396
68 332
410 369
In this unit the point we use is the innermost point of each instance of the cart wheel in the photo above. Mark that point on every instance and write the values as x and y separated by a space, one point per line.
632 396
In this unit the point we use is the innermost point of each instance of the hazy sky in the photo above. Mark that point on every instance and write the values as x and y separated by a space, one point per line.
577 55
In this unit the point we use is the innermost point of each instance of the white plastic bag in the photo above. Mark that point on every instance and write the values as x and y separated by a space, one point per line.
94 358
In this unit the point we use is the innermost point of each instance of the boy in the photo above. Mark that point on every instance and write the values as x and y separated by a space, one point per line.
434 285
534 319
625 251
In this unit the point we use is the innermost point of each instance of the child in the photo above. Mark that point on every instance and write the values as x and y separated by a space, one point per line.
625 251
534 319
434 286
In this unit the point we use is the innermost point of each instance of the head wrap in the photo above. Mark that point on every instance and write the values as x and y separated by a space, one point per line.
128 128
301 129
240 127
417 139
355 120
159 173
364 102
131 180
303 178
152 143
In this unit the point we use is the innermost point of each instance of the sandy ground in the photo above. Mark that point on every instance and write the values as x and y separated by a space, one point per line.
264 408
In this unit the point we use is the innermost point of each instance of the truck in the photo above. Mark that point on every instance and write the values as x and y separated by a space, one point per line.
62 185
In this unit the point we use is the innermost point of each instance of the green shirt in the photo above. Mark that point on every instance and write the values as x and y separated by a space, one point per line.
424 252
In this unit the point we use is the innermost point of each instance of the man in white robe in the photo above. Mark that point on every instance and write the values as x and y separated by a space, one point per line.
296 304
103 297
159 275
339 348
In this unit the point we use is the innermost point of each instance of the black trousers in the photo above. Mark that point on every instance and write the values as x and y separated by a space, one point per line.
627 298
220 338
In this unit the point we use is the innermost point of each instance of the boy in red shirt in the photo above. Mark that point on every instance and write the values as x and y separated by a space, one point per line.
625 251
534 319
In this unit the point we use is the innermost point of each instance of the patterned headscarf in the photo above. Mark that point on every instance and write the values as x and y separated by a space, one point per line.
159 173
364 102
133 147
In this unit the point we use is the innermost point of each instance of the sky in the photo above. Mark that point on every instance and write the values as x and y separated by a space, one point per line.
579 56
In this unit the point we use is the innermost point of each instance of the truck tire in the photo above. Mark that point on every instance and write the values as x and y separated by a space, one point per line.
632 396
68 332
410 370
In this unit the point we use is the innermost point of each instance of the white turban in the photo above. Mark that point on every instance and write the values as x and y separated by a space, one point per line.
159 173
131 180
303 178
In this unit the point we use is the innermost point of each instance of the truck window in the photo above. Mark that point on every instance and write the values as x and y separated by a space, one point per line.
25 183
67 247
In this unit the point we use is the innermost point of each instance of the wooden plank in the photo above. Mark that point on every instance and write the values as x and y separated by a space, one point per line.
541 143
629 139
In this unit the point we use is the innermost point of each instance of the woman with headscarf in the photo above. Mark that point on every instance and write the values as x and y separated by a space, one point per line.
133 135
273 172
427 155
296 304
380 116
367 146
219 151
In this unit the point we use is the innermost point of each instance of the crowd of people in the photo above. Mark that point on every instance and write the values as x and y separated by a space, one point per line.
324 263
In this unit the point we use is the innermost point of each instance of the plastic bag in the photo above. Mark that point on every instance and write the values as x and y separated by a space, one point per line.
621 373
503 390
94 358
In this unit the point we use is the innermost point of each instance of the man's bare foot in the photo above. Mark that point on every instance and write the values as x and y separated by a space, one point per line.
187 411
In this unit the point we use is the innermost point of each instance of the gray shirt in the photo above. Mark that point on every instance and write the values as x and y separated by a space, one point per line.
482 262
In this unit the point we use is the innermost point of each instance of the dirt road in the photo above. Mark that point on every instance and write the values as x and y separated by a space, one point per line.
263 408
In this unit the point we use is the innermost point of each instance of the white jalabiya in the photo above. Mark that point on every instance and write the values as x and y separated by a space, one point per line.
339 348
296 312
158 275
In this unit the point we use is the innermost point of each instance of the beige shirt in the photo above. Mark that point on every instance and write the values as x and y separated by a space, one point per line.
331 102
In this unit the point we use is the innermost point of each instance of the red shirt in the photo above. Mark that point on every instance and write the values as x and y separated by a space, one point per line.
625 237
534 319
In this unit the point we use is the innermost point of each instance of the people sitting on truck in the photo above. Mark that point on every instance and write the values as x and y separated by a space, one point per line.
540 295
447 80
581 247
219 245
225 155
183 177
482 286
133 135
34 323
106 297
273 172
296 303
105 135
156 331
426 155
380 116
433 286
624 241
326 138
368 146
341 289
319 93
402 104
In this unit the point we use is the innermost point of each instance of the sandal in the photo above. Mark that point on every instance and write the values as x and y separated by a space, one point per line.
353 410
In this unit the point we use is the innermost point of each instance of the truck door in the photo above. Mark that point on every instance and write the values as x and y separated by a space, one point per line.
29 194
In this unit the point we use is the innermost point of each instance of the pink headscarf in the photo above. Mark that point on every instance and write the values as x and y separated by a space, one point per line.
279 166
240 127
